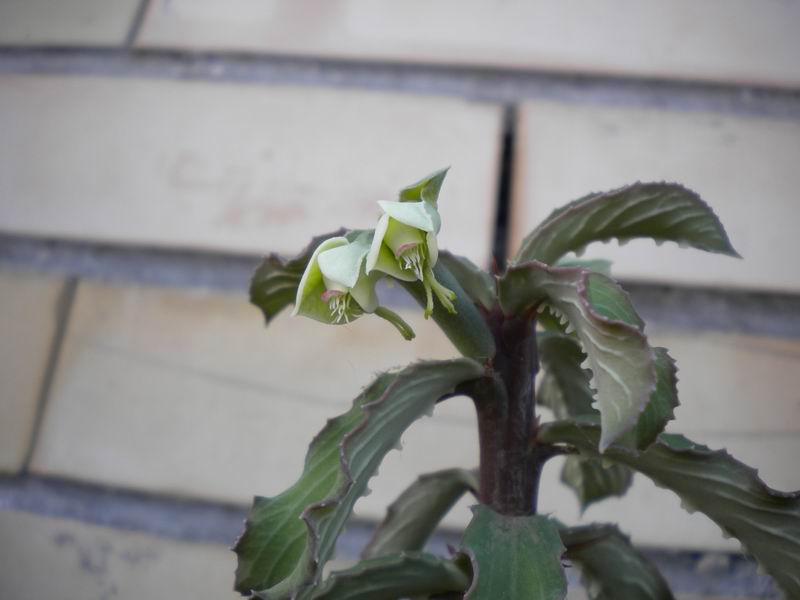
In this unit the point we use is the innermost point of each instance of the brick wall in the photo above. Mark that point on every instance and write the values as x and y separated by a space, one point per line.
152 151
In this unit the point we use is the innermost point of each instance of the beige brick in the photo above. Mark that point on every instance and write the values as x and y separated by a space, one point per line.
66 22
186 393
732 383
27 326
751 41
240 168
56 558
744 167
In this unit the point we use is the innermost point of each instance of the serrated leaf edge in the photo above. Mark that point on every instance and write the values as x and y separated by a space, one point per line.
638 332
309 514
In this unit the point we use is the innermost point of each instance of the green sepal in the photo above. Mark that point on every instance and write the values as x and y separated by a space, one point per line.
289 538
426 189
661 211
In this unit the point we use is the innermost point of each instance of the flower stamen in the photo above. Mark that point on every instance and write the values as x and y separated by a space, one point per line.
412 261
339 306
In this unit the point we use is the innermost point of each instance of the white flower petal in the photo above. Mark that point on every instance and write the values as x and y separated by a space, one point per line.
421 215
377 242
343 263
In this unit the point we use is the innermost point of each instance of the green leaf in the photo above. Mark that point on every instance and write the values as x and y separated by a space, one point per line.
466 328
413 517
662 211
392 577
565 388
610 331
476 282
611 567
288 538
592 481
274 284
731 494
426 189
599 265
663 402
513 557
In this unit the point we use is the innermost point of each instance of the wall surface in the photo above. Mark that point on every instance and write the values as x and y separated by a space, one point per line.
152 150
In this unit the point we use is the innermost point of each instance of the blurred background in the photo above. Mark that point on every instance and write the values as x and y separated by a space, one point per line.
152 150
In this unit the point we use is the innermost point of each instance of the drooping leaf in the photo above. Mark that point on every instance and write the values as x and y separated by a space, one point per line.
414 516
565 388
274 284
765 521
392 577
465 328
475 281
611 568
592 481
426 189
513 557
661 211
610 332
288 538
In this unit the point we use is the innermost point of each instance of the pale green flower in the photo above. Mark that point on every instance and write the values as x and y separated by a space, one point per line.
335 288
405 247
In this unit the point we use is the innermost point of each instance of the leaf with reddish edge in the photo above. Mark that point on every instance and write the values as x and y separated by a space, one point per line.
414 516
604 320
765 521
661 211
513 557
289 538
565 389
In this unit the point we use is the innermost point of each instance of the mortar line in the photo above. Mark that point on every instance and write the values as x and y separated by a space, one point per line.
488 84
136 24
64 305
505 185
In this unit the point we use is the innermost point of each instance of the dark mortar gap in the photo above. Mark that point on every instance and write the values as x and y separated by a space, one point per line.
136 23
504 188
750 312
106 262
63 309
475 83
739 311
